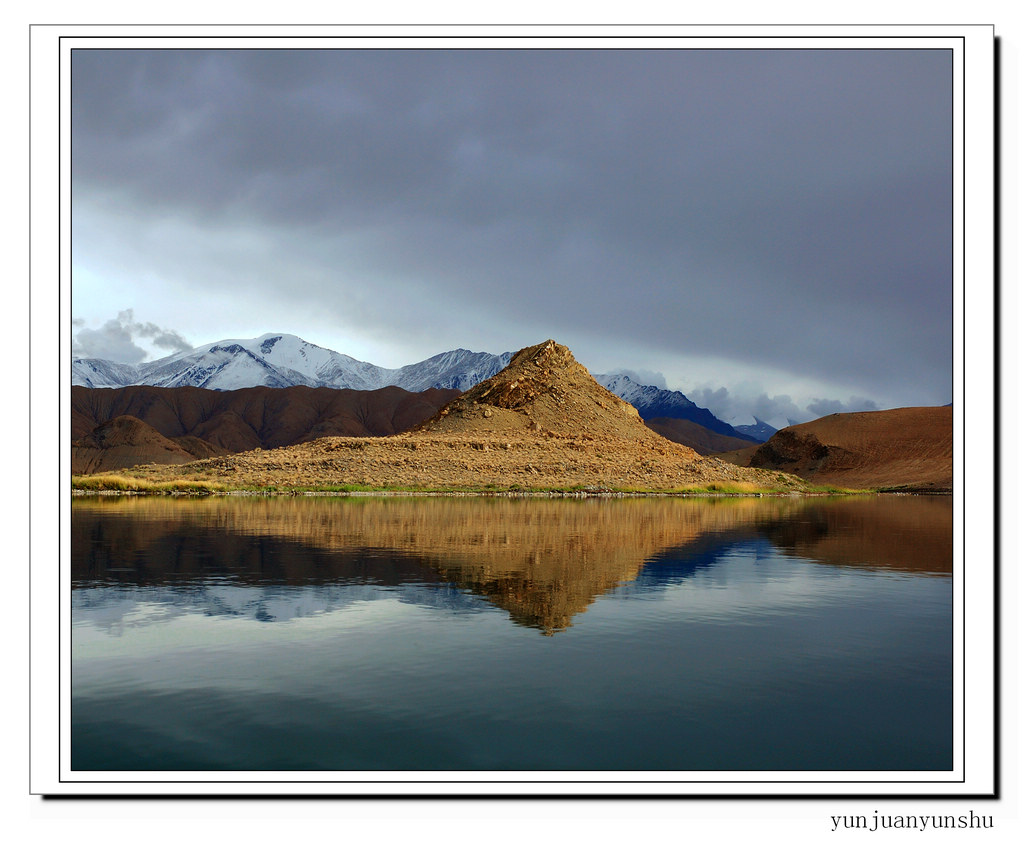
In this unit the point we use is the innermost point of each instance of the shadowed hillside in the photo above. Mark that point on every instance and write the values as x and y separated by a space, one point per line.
125 441
909 447
700 439
205 423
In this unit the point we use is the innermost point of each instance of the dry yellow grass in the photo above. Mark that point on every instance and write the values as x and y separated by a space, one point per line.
124 483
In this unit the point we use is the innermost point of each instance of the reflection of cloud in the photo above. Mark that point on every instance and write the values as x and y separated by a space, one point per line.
113 609
541 561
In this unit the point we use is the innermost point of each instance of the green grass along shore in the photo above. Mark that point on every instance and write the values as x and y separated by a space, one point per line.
114 483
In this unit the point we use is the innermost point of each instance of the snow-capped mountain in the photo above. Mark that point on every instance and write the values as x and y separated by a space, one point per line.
284 360
650 401
455 370
93 372
654 402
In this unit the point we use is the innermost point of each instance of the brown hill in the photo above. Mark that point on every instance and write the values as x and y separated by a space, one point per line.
543 422
700 439
125 441
214 422
909 448
543 389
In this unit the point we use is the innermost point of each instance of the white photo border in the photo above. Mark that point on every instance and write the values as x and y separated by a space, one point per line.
974 367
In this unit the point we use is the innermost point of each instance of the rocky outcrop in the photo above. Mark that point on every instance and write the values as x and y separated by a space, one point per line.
543 390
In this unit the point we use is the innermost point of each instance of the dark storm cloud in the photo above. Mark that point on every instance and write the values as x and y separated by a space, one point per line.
783 208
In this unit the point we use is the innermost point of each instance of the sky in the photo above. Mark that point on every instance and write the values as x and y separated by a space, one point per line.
769 231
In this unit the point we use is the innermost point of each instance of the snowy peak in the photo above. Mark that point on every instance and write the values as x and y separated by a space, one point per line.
284 360
650 401
93 372
460 370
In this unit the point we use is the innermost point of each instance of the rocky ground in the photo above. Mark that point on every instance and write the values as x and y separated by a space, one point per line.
541 460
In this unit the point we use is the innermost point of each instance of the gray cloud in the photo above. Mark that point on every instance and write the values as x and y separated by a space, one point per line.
824 407
115 340
110 342
742 409
778 410
783 209
163 338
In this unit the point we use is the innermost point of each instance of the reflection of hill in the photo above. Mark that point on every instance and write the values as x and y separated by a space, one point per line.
543 561
907 533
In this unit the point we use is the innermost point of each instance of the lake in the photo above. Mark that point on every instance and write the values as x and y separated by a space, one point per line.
512 634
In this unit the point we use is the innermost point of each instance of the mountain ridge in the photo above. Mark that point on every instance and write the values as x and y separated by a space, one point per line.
541 423
285 360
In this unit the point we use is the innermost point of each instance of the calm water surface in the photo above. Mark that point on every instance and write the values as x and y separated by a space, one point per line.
498 634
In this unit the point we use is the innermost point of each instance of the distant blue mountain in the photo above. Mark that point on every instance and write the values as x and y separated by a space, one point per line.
761 431
655 403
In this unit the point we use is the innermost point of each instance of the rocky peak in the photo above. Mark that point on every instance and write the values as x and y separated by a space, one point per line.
543 390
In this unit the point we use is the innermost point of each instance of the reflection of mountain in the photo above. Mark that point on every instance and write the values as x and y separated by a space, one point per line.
905 533
675 565
543 561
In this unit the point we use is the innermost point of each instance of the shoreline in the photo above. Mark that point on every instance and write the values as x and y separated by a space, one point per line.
579 494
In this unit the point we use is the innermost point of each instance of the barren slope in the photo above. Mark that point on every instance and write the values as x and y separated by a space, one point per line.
126 441
909 447
700 439
208 423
